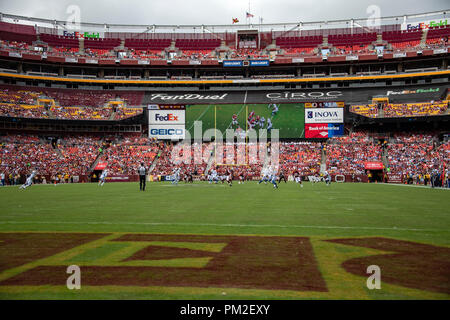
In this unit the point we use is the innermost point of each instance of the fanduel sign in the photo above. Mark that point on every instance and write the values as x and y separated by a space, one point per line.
324 115
187 97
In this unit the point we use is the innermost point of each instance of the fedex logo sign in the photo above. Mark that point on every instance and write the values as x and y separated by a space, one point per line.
167 117
424 25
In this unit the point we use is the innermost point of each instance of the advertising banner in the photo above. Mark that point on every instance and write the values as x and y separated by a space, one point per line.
101 165
232 63
259 63
71 60
166 117
399 55
350 95
320 104
166 132
324 115
323 130
373 165
118 178
394 178
415 26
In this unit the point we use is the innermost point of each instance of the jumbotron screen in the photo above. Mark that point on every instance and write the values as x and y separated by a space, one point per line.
291 120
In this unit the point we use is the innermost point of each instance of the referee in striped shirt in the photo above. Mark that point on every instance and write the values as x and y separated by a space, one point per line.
142 176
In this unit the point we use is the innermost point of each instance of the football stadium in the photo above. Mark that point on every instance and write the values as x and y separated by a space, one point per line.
248 160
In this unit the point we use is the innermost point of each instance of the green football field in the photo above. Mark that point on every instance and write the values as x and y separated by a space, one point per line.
290 119
202 241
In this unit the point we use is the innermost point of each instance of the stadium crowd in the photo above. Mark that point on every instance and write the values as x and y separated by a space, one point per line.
392 110
416 157
347 155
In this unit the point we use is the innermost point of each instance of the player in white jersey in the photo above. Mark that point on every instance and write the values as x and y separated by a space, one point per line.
103 176
272 172
264 175
176 176
327 177
29 180
213 176
269 124
274 109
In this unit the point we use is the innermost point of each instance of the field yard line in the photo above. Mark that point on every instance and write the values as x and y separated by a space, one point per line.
231 122
199 117
217 225
412 185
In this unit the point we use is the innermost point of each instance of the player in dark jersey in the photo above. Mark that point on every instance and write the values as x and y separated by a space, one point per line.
230 177
282 177
298 178
241 177
189 177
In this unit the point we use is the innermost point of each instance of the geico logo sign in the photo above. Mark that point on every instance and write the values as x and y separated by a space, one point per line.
304 95
167 117
166 132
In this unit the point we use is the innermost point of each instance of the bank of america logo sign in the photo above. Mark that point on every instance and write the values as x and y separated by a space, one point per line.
310 114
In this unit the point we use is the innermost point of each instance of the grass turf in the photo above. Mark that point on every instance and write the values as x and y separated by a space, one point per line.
315 211
290 118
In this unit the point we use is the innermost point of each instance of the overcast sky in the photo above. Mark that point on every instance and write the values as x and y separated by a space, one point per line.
214 11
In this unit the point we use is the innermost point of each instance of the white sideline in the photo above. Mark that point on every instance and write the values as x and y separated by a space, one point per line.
412 186
217 225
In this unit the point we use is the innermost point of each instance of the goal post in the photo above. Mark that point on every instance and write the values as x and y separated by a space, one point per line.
246 155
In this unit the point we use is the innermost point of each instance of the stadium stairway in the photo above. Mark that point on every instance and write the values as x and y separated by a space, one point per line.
50 113
113 115
423 39
156 159
323 157
81 45
97 159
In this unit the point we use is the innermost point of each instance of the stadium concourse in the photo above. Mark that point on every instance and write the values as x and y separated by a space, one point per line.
412 156
32 40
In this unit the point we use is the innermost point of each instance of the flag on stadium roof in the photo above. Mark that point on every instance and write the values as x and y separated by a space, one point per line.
235 20
249 15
